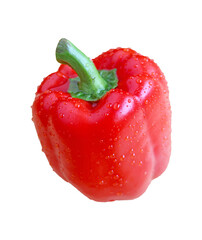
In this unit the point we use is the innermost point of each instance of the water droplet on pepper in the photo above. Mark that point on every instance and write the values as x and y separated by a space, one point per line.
116 106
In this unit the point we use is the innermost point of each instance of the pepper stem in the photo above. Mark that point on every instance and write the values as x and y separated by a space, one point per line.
90 85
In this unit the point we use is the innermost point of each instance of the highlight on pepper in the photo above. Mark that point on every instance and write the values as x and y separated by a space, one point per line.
104 124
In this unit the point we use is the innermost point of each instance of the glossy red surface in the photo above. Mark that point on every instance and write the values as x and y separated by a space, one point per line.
111 149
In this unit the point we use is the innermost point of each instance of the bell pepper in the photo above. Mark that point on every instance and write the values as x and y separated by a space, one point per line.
104 124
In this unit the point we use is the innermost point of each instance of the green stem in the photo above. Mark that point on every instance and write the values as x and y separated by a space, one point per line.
90 80
90 84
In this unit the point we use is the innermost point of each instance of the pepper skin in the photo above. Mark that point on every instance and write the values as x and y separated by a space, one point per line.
109 149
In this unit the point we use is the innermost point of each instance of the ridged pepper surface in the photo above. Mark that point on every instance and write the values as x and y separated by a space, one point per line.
106 132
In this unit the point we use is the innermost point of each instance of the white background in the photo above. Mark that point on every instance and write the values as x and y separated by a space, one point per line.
35 203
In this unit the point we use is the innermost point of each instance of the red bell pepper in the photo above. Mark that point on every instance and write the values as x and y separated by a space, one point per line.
106 131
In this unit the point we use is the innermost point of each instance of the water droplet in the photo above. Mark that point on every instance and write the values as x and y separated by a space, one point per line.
133 162
150 83
146 101
109 105
61 115
77 105
129 100
116 106
161 75
101 182
140 163
138 81
116 177
122 157
110 146
112 155
111 172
